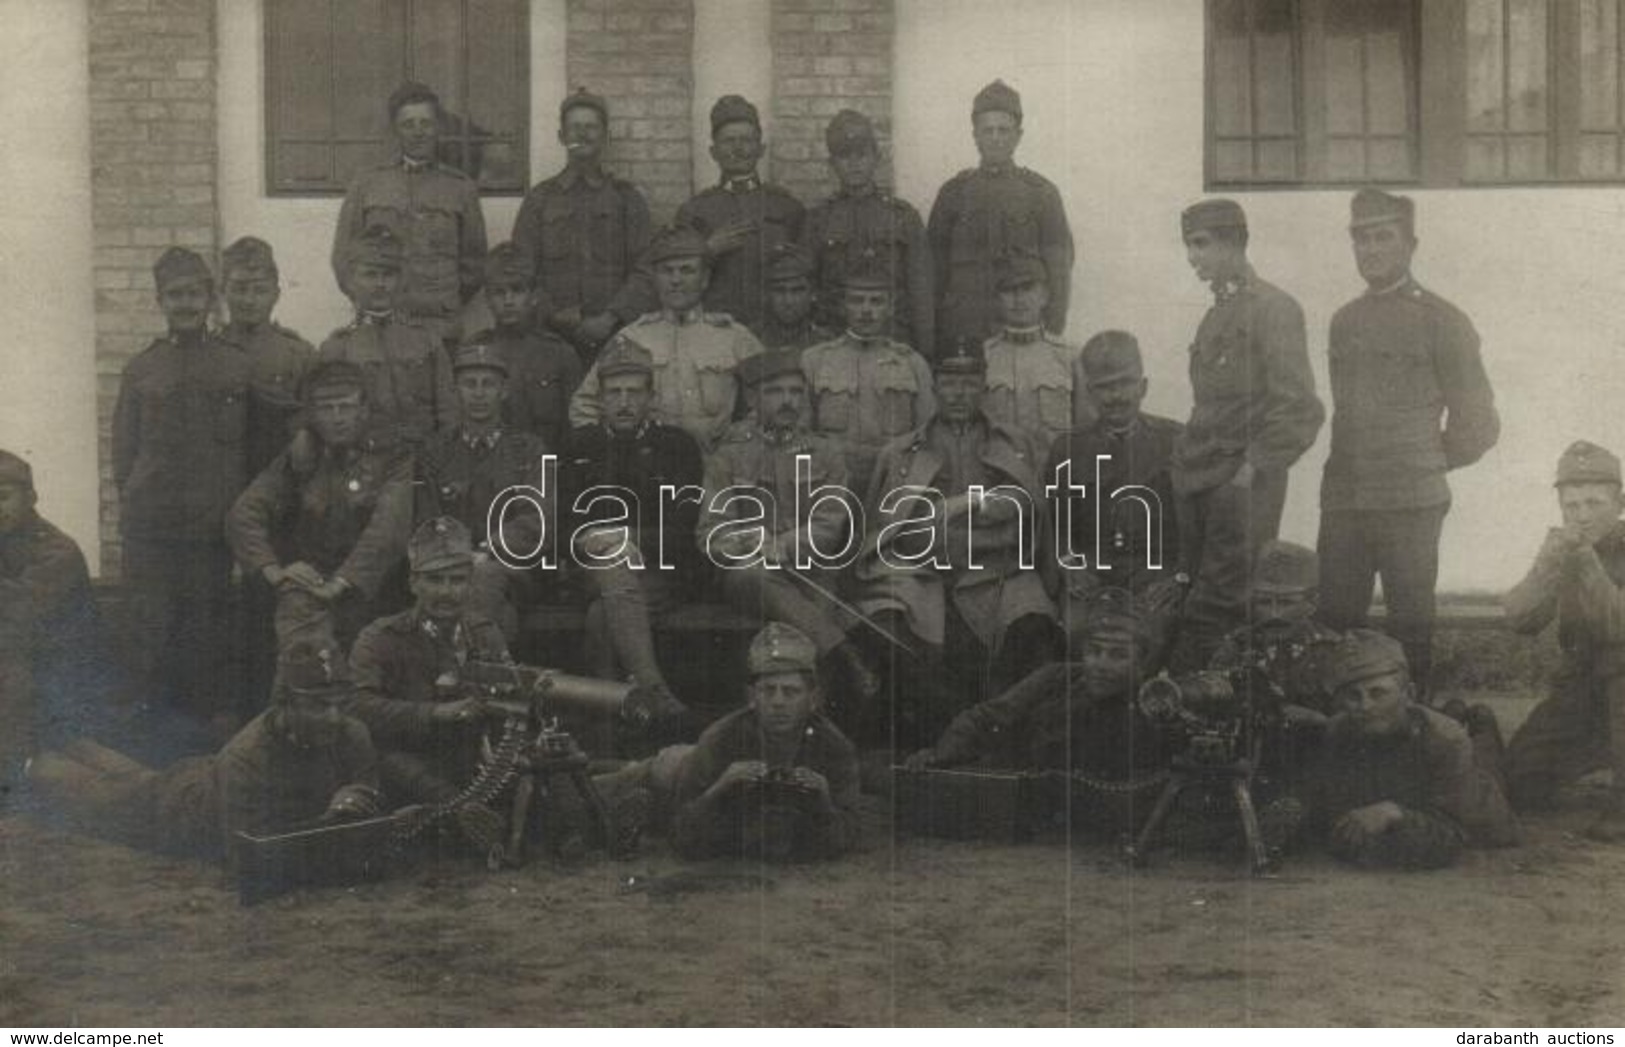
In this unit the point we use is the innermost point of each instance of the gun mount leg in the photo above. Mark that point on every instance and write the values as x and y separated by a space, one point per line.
1165 802
524 798
1258 854
595 806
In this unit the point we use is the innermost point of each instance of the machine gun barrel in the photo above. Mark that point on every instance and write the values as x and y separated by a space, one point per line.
503 685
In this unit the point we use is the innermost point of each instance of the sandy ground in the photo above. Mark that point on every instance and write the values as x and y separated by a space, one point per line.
911 931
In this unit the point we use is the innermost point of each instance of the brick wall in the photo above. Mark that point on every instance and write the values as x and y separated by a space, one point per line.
637 54
828 55
153 177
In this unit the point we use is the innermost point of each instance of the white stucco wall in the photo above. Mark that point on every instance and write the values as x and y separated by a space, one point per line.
48 355
1113 96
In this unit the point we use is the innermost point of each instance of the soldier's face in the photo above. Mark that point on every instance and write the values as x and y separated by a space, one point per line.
1383 252
625 400
736 148
996 135
959 396
1023 305
510 303
1281 606
250 296
480 392
1376 706
16 502
417 128
374 286
186 303
680 282
790 301
1590 508
855 168
1118 399
582 132
781 401
338 415
1108 664
1213 258
307 722
868 310
442 593
784 702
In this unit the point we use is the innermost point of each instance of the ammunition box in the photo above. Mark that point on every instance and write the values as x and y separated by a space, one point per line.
965 805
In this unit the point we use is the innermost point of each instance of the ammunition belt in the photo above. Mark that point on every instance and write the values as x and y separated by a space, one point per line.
1117 787
494 776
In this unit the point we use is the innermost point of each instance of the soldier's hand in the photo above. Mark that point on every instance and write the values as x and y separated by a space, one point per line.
566 321
922 760
462 711
1363 824
303 575
354 801
812 781
741 771
331 589
602 541
274 575
730 237
1244 476
596 329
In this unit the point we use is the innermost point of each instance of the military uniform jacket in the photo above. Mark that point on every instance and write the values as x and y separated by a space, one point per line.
842 230
408 376
980 214
543 373
44 588
435 210
1410 400
1429 770
178 432
736 277
694 357
656 456
1000 592
1586 594
460 475
747 457
277 361
349 514
866 392
1036 381
1140 457
585 233
728 829
1254 392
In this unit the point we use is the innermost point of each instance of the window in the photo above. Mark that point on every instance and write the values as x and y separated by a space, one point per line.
330 66
1414 92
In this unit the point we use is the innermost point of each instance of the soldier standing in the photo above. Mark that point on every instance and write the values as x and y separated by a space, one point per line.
984 212
693 351
1254 414
277 357
788 321
434 209
743 218
1034 380
1410 402
862 221
584 232
178 461
543 370
867 389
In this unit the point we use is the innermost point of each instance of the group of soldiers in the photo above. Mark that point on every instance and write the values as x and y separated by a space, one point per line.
749 392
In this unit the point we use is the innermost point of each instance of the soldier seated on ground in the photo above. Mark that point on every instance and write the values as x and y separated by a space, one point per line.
1577 578
1397 784
775 780
299 763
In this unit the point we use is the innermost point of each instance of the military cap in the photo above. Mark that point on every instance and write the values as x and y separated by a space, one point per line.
1212 214
507 264
15 472
412 93
584 99
732 109
849 131
1373 207
771 363
624 356
871 270
1285 568
781 648
1361 654
788 262
478 351
1112 356
997 97
310 668
676 242
377 245
1586 463
966 357
440 543
1018 269
248 254
178 265
329 374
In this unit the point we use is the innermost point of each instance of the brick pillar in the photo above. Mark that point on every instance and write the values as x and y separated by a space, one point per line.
637 54
153 178
828 55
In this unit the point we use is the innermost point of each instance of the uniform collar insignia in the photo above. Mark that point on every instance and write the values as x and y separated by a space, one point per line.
411 166
1024 335
744 184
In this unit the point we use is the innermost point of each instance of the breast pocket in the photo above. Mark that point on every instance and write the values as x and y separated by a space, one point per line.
1404 376
1219 366
835 411
716 389
230 417
437 229
1020 228
1054 407
558 233
899 395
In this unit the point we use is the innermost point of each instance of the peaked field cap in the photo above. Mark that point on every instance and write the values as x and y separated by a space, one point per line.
849 130
582 98
1212 214
624 356
332 374
311 667
476 352
1286 568
676 242
965 357
732 109
1018 268
1373 207
178 264
1113 613
787 262
1112 355
781 648
1586 463
997 97
412 93
1359 655
440 543
248 253
506 263
377 245
15 471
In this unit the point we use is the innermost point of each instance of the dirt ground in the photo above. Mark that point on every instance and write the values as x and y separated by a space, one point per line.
912 932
